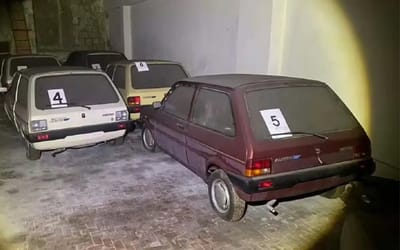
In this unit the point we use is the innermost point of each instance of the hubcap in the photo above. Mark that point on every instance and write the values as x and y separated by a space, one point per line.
220 196
148 138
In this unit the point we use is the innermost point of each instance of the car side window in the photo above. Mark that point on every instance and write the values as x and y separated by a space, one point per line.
213 110
110 70
119 77
22 96
178 101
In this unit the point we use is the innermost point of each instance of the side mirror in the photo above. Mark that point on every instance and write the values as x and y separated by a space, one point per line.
3 89
156 105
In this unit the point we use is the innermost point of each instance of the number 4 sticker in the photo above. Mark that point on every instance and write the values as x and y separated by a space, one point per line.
275 122
57 98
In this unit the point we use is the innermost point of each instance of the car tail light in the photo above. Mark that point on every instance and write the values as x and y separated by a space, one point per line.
42 137
134 101
265 184
38 125
121 115
258 167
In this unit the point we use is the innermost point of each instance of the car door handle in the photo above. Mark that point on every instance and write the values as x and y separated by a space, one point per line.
180 125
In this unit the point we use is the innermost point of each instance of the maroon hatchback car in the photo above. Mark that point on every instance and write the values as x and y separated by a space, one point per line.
255 138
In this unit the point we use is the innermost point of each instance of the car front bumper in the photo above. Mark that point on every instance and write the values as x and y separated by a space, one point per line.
301 181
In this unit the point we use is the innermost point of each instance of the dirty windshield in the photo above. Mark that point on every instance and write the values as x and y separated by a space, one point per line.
157 76
309 109
73 90
31 62
102 60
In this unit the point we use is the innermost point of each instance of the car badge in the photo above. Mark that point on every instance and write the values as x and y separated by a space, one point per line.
83 115
318 152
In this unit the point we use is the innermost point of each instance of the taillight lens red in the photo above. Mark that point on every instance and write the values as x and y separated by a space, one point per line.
258 167
134 101
42 137
265 184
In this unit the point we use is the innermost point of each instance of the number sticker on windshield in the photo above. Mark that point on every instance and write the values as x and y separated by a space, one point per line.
141 66
96 66
276 123
21 67
57 98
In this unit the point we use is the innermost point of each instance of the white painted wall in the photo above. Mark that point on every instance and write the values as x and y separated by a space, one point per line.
354 48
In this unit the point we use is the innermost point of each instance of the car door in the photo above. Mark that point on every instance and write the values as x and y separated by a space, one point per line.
211 134
10 97
171 123
20 109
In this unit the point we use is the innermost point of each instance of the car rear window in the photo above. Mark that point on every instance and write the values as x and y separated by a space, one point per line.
102 60
72 90
158 76
31 62
311 109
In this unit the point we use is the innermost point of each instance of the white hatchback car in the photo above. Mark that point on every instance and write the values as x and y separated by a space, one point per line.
65 107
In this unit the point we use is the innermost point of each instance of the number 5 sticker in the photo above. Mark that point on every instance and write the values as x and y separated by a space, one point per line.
275 122
57 98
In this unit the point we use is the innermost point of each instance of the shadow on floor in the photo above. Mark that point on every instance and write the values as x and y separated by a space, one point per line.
370 219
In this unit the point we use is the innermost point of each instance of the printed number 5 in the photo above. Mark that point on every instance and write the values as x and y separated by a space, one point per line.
275 121
57 97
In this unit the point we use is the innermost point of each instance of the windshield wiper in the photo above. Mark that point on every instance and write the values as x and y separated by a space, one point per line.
303 133
70 105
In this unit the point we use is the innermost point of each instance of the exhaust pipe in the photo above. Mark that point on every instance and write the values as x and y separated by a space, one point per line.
270 205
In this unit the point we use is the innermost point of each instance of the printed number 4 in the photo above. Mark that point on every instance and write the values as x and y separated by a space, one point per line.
275 121
57 97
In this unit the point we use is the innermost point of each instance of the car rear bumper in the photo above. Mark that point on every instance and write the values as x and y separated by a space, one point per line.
75 137
301 181
79 140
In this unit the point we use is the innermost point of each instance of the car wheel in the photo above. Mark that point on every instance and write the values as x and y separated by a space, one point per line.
32 154
117 141
224 200
148 140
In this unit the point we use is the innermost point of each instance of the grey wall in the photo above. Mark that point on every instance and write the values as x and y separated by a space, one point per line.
5 27
353 46
208 36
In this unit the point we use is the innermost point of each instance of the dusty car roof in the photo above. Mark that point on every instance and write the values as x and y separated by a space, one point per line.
237 80
28 55
45 70
88 52
149 61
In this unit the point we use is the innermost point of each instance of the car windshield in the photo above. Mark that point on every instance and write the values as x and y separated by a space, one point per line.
307 109
73 90
102 60
31 62
158 76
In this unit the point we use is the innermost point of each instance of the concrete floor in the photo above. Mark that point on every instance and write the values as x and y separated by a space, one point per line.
123 197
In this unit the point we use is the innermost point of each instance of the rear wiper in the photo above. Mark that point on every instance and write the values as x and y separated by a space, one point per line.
303 133
70 105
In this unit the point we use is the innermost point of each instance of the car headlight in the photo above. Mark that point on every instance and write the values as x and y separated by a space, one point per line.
121 115
38 125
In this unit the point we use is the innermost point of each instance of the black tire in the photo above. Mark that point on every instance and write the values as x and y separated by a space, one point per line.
148 140
223 198
117 141
32 154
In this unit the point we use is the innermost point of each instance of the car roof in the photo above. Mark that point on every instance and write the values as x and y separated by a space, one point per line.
148 61
239 80
53 69
28 56
88 52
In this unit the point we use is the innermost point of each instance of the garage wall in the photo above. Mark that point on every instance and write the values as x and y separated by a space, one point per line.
353 46
5 26
208 36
